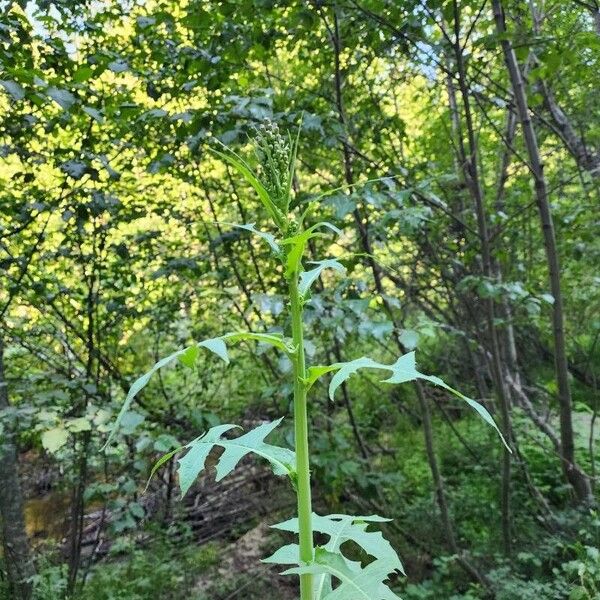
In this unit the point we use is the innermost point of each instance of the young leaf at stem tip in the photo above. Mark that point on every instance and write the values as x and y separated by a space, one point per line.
297 244
246 171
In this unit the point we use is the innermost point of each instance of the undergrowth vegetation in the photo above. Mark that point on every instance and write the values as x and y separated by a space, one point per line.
549 567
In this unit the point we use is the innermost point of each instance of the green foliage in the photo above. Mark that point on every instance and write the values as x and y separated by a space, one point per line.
341 529
54 439
118 245
162 570
307 278
242 167
282 460
188 356
267 237
332 562
356 583
50 581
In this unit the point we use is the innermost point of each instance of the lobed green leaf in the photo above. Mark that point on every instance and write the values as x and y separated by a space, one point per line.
188 356
282 460
339 529
403 370
356 583
215 345
267 237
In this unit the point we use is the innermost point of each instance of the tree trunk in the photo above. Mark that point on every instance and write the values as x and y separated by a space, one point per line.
575 476
587 160
596 16
77 512
469 153
14 533
363 232
440 493
510 344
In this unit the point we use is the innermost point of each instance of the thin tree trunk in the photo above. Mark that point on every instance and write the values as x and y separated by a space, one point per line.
440 494
505 308
472 177
14 533
77 512
362 226
575 476
586 159
92 376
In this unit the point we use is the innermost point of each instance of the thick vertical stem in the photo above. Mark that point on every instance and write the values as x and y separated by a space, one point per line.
301 437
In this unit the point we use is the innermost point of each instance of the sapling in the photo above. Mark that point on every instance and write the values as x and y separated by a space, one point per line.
325 572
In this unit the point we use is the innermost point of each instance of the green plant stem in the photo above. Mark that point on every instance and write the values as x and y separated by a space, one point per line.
301 438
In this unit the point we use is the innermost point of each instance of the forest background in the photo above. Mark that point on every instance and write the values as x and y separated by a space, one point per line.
463 138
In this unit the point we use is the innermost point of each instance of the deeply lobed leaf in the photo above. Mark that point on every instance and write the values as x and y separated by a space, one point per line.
341 529
355 583
307 278
264 235
282 460
188 356
344 528
403 370
215 345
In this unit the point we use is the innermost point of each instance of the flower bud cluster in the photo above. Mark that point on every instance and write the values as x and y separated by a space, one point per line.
273 151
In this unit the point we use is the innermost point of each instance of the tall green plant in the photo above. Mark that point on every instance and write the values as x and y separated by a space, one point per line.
325 572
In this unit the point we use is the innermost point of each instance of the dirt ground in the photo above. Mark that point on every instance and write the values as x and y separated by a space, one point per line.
240 568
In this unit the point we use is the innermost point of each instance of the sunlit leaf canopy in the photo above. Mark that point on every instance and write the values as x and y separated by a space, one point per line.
109 109
120 100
